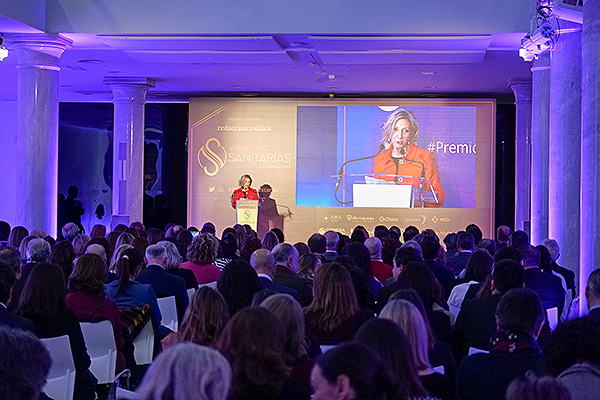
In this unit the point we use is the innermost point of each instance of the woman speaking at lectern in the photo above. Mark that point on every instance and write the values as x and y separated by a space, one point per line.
244 191
404 157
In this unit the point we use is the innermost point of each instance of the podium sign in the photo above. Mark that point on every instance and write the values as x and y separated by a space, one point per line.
247 212
388 196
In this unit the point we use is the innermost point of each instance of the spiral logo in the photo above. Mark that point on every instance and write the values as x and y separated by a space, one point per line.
247 214
209 156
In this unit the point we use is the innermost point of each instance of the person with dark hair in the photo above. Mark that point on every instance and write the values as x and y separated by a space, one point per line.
334 315
361 256
388 251
163 283
409 233
201 255
279 233
502 236
129 293
227 250
451 242
381 232
487 244
478 268
4 231
344 240
270 240
331 242
63 255
87 298
518 239
44 303
572 352
547 286
24 365
259 370
465 249
98 231
308 265
317 243
237 284
474 230
7 280
204 319
592 294
365 297
351 371
378 334
476 321
404 255
16 236
209 227
263 262
73 207
507 253
381 270
38 251
286 272
445 276
155 235
519 319
249 246
184 239
11 258
358 236
533 387
303 249
546 267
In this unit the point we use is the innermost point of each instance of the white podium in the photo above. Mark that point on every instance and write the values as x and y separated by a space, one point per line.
247 212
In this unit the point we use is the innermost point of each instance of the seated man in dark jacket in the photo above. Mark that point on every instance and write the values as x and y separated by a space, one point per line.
515 351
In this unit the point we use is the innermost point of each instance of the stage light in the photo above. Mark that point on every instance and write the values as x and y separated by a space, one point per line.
3 50
538 41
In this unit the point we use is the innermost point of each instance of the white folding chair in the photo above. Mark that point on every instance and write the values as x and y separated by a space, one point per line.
212 285
123 394
440 369
60 383
552 315
143 345
191 292
475 350
327 347
168 310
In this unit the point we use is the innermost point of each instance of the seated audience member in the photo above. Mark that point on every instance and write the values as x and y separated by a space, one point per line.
518 239
358 236
38 251
24 365
554 249
412 325
163 283
141 244
344 240
465 248
444 275
409 233
187 371
381 270
317 244
334 315
365 297
307 265
451 242
237 284
201 256
388 251
404 255
155 235
296 345
502 236
331 241
286 272
270 240
360 254
487 244
16 236
204 319
302 248
227 250
476 321
572 352
474 230
184 239
279 233
7 280
129 293
70 231
4 231
98 250
44 303
249 246
11 258
478 268
514 351
173 265
546 267
351 371
263 263
24 244
87 298
532 387
547 286
592 294
98 231
259 369
377 334
63 255
79 244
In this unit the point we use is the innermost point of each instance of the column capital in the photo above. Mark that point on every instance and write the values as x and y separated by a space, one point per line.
129 89
521 87
38 50
542 63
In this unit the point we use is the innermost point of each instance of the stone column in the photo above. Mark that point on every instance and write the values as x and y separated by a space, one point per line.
590 144
521 87
540 125
565 145
129 98
37 133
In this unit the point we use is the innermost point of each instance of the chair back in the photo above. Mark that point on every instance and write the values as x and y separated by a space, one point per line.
212 285
143 345
168 310
191 292
60 383
100 342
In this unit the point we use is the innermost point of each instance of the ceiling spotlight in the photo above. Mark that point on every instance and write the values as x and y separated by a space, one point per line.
3 50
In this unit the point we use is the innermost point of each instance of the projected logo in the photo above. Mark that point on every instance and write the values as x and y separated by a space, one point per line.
212 156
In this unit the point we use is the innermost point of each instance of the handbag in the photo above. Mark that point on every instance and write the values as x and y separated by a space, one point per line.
133 320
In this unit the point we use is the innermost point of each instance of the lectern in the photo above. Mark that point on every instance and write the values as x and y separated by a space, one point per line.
247 212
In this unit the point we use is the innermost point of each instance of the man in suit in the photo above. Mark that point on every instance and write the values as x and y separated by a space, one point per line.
38 251
317 244
592 294
263 263
404 255
381 270
7 280
465 249
331 242
514 351
445 276
163 283
502 234
547 286
286 262
476 321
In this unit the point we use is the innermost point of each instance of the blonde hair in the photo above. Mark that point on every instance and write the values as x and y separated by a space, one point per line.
289 312
388 127
205 318
411 322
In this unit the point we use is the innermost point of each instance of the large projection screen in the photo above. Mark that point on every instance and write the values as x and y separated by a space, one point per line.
297 146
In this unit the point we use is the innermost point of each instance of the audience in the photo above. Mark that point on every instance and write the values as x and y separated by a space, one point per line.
173 264
331 242
532 387
201 256
286 272
308 264
7 280
263 262
381 270
445 276
238 284
546 285
459 261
